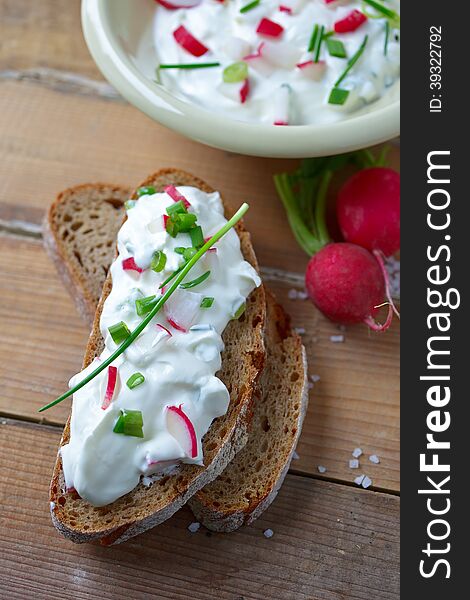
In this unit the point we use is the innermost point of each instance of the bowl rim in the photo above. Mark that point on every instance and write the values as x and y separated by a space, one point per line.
259 139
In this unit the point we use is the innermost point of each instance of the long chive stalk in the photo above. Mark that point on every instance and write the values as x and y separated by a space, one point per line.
143 324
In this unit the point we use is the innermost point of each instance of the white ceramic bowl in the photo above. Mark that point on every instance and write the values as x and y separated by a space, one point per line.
119 36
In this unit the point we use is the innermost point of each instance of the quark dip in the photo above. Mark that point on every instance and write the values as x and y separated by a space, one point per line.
280 62
149 410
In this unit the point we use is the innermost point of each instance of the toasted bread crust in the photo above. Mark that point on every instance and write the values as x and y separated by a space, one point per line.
243 360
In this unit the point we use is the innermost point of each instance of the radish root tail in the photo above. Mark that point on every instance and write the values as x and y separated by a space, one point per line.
370 321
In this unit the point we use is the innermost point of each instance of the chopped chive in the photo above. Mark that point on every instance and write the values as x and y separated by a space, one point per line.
336 48
207 302
250 6
119 332
352 61
146 190
170 277
186 222
387 12
134 380
145 305
240 310
387 36
189 252
197 238
176 208
313 39
128 204
235 73
195 282
338 96
207 65
179 275
158 261
130 422
319 43
180 249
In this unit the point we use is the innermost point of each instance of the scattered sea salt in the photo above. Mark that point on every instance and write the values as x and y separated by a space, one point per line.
337 339
315 378
268 533
302 295
357 452
374 459
194 527
295 456
294 294
321 469
359 480
310 385
366 482
354 463
300 330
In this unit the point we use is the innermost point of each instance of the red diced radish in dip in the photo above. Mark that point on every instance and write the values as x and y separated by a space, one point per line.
182 429
110 387
281 103
286 9
269 28
175 4
351 22
245 90
182 308
238 92
129 264
167 331
176 196
312 70
187 41
281 54
259 63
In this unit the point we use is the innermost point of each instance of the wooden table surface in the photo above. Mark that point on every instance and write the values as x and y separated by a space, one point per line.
62 124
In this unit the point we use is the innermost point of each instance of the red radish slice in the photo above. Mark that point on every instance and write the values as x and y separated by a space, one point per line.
237 92
129 264
110 387
280 54
165 329
175 195
174 4
182 308
182 429
269 28
165 220
258 62
312 70
281 103
286 9
350 22
245 91
187 41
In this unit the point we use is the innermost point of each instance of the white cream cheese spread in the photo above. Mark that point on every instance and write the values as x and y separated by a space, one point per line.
167 376
286 81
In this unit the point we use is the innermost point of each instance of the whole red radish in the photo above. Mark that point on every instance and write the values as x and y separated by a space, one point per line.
346 283
368 209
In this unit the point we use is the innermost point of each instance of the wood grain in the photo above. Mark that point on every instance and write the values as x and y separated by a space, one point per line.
330 542
352 405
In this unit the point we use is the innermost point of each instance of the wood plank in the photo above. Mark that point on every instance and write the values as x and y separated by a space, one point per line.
330 542
355 403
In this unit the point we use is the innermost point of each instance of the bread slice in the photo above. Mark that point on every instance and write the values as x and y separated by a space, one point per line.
252 480
280 403
242 362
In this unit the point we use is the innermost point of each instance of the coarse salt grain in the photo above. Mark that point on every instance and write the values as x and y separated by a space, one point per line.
315 378
310 385
302 295
193 527
366 482
354 463
337 339
359 480
321 469
295 456
374 459
292 294
268 533
357 452
300 330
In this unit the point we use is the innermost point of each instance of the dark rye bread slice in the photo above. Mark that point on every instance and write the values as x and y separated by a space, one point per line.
280 403
242 362
252 480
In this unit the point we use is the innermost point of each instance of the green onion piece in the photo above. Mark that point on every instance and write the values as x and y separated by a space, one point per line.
387 36
352 61
338 96
176 208
158 261
144 305
189 252
130 422
180 249
379 7
207 302
250 6
195 282
319 43
185 222
197 238
119 332
179 276
235 73
313 39
240 310
172 225
134 380
146 190
189 65
128 204
336 48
